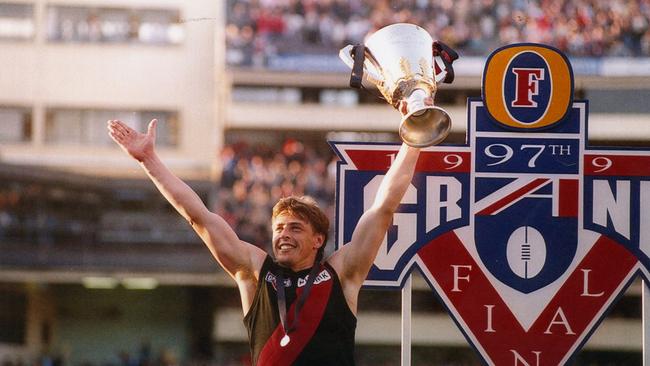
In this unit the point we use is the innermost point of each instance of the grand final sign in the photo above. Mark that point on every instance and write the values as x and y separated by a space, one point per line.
527 234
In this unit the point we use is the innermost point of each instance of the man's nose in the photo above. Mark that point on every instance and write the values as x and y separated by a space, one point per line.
284 233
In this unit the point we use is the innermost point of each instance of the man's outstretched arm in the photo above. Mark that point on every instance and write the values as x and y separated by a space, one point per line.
240 259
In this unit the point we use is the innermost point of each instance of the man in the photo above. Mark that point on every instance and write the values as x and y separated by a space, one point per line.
298 311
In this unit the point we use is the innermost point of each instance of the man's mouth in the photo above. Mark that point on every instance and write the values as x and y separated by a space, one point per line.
285 246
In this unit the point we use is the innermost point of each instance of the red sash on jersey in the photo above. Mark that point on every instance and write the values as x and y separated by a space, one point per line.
272 353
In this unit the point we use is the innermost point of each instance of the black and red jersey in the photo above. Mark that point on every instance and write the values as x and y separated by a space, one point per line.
324 333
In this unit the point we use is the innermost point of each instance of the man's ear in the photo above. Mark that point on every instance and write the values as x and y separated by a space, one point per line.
320 238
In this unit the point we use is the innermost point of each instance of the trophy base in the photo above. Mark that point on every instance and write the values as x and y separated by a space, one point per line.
425 127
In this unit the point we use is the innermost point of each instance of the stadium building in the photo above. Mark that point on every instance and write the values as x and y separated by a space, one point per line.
97 269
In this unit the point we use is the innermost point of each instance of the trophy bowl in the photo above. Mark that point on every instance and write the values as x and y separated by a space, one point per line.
399 60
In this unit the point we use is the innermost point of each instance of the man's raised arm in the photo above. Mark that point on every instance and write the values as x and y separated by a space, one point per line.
353 260
241 260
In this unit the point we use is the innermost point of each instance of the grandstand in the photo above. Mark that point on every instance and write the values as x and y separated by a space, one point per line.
97 269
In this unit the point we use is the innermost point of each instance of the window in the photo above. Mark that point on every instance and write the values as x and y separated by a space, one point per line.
13 316
15 124
16 21
88 126
266 95
113 25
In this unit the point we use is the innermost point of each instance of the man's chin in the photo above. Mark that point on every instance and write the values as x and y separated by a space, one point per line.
284 260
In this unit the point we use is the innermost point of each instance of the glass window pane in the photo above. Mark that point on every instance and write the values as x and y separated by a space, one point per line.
15 124
88 126
113 25
63 126
16 21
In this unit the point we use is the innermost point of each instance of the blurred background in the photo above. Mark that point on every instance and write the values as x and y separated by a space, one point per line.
96 269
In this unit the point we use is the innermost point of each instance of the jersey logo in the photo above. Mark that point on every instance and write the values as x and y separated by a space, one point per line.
272 279
526 233
324 275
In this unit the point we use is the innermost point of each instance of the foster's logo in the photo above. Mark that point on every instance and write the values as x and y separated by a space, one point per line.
527 87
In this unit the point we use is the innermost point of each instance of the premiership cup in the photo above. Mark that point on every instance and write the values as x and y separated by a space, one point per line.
399 60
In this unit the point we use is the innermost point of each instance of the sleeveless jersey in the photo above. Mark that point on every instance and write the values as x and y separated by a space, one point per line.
324 333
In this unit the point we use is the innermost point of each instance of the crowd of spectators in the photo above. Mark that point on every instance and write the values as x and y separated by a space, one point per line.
255 176
259 29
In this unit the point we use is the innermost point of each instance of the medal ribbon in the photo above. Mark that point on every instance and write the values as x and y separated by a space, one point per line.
282 299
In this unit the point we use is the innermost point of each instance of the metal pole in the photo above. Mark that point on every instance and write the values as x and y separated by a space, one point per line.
406 322
645 321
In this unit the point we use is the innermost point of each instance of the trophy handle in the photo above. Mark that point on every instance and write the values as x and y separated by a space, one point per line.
369 67
439 76
345 54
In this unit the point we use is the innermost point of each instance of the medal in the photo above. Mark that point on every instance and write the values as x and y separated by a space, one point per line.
285 340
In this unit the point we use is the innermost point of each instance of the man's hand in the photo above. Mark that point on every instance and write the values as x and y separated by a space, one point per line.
138 145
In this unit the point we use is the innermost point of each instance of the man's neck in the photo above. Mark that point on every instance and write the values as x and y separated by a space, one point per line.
298 267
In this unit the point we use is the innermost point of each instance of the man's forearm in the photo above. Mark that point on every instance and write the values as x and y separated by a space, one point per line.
177 192
398 178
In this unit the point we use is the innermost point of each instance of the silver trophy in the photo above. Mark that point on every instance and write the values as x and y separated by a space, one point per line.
398 59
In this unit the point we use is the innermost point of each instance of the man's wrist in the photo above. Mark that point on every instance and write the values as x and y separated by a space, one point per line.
148 159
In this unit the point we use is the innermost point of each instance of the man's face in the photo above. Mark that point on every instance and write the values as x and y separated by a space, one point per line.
295 243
